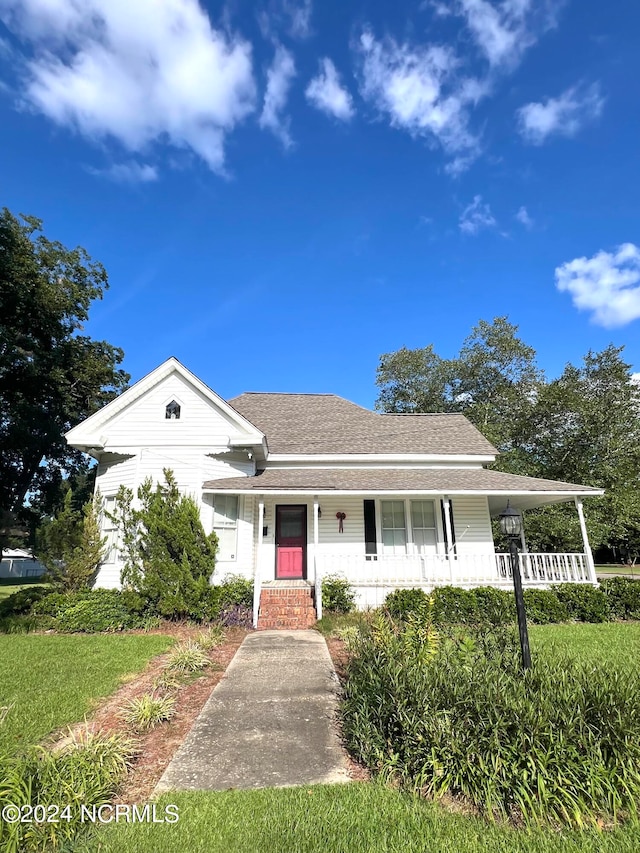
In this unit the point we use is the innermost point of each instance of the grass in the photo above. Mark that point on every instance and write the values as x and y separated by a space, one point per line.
8 589
355 818
49 681
608 642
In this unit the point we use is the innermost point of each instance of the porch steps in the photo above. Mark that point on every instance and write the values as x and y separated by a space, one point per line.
289 607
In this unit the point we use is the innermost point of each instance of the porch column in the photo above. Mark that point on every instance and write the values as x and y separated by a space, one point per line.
317 580
257 570
447 524
591 569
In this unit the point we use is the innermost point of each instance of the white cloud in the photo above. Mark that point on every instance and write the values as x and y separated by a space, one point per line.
564 115
418 88
128 173
279 78
300 15
523 217
476 216
326 93
607 285
290 16
500 32
138 72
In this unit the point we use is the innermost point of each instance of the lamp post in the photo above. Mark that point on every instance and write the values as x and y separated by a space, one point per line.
511 525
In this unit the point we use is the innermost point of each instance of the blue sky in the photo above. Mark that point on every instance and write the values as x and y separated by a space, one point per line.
281 191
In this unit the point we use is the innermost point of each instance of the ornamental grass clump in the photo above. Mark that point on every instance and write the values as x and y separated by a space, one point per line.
187 657
52 786
145 712
455 715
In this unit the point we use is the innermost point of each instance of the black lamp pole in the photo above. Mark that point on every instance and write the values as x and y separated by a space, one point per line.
511 525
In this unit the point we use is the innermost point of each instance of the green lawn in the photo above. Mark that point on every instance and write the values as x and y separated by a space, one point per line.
8 589
355 818
52 680
609 642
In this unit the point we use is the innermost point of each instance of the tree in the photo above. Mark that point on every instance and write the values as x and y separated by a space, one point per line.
168 558
72 548
51 376
494 381
583 427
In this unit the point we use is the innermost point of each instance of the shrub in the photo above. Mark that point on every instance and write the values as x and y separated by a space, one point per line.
84 772
22 601
337 594
583 602
236 616
623 595
146 711
168 558
454 606
89 611
495 606
187 657
401 602
543 606
560 743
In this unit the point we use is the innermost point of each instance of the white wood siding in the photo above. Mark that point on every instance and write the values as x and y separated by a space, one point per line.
143 423
191 466
472 525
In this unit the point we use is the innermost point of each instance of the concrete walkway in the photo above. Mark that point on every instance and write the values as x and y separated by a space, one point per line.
269 721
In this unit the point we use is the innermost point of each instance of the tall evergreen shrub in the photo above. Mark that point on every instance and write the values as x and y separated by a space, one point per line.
168 558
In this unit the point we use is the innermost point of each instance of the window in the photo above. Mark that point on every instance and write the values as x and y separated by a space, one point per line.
172 411
423 522
109 530
225 525
394 528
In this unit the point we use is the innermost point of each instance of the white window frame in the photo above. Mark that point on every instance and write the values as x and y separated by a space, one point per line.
396 549
410 546
436 537
110 530
227 525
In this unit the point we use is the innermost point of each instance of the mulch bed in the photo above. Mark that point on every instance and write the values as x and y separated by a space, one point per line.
155 749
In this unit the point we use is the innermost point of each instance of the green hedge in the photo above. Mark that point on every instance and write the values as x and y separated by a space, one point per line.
456 716
617 598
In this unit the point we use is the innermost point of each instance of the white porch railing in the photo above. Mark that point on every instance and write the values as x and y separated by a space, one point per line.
427 570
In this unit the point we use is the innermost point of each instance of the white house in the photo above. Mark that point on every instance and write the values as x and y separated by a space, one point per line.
298 486
17 563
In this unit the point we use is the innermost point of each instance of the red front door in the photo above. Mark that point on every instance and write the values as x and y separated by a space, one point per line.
291 541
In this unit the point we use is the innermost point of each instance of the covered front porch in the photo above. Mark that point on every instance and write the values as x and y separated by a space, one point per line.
381 542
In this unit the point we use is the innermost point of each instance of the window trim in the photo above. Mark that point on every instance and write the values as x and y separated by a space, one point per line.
235 526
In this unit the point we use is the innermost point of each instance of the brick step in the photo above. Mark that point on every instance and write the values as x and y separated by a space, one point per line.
287 611
286 599
285 623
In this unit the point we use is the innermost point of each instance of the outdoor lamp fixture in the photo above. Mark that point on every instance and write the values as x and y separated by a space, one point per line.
511 526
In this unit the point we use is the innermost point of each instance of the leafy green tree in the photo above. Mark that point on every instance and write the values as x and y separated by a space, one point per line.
585 428
415 381
51 375
494 381
71 546
168 557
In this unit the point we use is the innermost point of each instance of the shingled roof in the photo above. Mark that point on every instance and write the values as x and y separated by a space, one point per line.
449 480
325 423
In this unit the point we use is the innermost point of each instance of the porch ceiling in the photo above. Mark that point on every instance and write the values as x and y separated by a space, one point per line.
524 492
